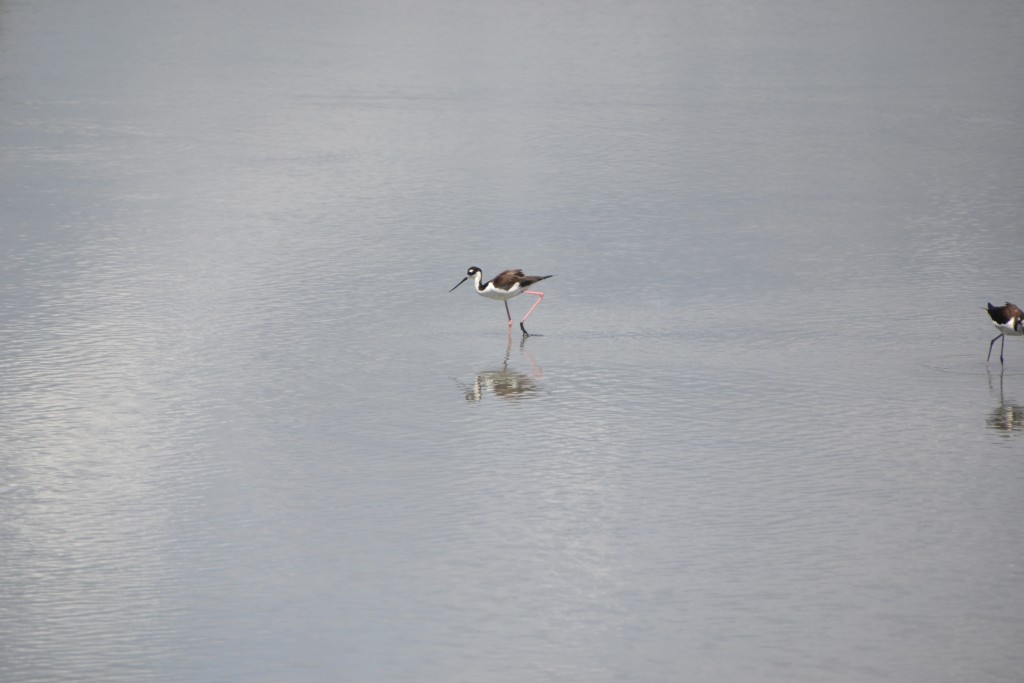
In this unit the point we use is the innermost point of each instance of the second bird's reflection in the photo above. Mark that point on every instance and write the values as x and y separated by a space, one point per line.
505 382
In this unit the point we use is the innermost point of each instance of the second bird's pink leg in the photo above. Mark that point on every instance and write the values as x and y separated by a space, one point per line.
540 297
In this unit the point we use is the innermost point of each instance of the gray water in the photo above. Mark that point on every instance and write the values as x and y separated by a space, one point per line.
247 434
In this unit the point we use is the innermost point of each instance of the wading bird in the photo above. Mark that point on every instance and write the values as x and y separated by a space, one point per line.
506 285
1007 319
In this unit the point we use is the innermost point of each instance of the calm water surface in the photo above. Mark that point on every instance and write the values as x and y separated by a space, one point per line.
246 433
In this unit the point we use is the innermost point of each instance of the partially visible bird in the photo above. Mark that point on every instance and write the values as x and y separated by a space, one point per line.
1008 320
506 285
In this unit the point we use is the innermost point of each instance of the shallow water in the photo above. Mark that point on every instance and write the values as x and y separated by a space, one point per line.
247 433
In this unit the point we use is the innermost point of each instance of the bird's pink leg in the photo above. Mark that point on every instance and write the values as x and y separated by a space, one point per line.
540 297
509 316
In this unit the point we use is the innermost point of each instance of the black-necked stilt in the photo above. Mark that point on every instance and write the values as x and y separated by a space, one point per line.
507 284
1007 318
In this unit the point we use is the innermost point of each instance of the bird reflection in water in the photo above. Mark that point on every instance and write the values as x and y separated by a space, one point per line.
506 383
1007 416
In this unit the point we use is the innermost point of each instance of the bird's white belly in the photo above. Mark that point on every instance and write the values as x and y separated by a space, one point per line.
492 293
1009 331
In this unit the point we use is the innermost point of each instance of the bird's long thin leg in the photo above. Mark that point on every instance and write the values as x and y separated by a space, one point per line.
508 314
540 297
989 346
1001 347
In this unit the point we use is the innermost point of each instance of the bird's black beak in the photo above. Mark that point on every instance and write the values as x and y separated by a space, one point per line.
460 282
